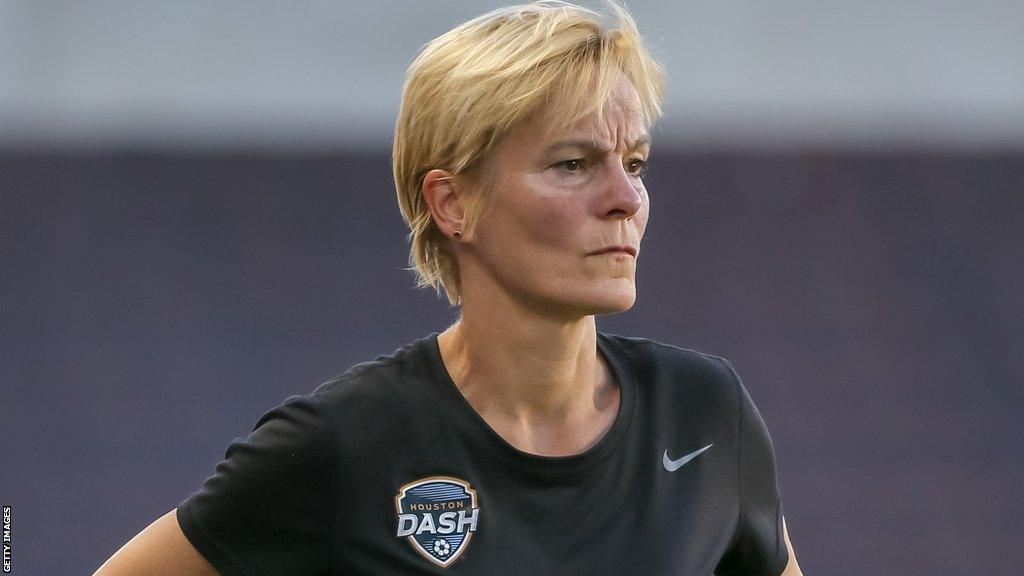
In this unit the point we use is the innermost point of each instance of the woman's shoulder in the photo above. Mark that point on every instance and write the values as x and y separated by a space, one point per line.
382 378
663 355
655 361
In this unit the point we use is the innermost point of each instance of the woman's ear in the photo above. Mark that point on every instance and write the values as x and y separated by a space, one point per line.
443 198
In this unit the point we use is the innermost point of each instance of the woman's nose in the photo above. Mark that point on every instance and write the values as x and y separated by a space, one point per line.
622 195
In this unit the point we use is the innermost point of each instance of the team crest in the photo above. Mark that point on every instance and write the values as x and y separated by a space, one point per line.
438 515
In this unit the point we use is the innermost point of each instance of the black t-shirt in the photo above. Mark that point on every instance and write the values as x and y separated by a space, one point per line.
387 469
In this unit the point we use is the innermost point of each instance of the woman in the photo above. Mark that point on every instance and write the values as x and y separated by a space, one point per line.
519 440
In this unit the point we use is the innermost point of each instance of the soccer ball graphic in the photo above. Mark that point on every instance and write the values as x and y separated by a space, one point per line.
441 547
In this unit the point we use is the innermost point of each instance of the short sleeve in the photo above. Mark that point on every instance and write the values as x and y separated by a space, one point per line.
268 508
758 548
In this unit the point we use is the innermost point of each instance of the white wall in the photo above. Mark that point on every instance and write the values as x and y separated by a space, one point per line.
319 73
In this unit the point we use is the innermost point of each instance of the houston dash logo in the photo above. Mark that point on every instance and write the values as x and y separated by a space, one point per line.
438 515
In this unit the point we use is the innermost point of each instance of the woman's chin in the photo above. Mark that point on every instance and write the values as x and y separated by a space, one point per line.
581 300
611 299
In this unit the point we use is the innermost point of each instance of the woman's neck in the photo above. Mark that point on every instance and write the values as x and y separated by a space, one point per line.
540 384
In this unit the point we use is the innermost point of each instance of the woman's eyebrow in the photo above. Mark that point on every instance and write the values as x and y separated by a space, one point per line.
592 147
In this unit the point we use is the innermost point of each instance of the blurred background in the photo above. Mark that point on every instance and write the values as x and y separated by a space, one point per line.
197 220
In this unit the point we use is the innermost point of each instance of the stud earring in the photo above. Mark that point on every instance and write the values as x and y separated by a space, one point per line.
457 234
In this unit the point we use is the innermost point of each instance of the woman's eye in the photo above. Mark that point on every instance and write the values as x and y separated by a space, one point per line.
575 165
637 167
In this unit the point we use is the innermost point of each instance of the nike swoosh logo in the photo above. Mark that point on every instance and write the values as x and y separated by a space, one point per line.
673 465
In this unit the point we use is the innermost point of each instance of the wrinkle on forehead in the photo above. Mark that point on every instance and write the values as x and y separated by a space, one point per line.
620 126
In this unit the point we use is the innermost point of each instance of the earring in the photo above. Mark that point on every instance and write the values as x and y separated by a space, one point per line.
457 234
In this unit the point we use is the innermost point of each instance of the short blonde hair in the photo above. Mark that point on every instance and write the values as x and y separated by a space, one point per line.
471 86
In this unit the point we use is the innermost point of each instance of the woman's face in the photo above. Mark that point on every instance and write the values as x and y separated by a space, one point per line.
562 200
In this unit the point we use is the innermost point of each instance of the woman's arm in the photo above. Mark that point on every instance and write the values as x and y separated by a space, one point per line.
792 568
159 550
